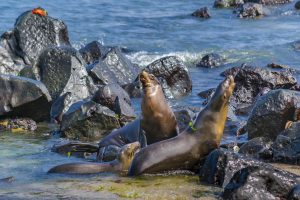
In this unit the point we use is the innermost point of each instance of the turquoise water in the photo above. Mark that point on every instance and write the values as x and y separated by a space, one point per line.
150 30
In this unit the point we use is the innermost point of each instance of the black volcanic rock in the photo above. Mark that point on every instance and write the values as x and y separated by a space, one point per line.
286 147
250 10
173 76
257 182
62 70
93 52
31 35
211 60
201 13
268 2
227 3
23 97
113 68
271 113
88 121
253 82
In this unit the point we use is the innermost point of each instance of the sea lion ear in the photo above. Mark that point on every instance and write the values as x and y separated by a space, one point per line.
152 77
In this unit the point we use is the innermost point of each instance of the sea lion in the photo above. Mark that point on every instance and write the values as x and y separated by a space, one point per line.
119 165
185 151
158 120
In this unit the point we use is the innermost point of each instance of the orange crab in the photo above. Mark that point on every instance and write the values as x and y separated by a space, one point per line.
39 11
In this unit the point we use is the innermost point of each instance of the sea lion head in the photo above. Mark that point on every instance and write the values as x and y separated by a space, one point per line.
222 94
148 80
127 153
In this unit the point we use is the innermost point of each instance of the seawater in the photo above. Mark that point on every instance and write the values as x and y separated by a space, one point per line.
149 30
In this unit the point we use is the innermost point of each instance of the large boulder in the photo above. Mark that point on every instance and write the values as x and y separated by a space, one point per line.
250 10
227 3
62 70
93 52
173 76
23 97
269 2
34 33
88 121
257 182
10 62
113 68
220 166
229 170
286 147
252 82
271 113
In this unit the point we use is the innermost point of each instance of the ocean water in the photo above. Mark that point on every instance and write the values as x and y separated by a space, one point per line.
149 30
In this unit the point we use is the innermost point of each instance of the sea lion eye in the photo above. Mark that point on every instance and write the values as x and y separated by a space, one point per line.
152 77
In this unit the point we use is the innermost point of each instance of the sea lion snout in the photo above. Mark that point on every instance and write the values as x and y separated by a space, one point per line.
147 80
229 81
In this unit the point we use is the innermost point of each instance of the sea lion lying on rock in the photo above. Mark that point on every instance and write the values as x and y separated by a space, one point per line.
119 165
186 150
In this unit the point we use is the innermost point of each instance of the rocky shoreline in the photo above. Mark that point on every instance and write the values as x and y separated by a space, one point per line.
88 93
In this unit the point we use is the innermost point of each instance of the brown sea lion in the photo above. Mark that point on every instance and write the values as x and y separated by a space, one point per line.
158 120
185 151
119 165
157 123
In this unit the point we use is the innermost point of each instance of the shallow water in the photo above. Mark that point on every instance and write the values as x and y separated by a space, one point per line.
150 30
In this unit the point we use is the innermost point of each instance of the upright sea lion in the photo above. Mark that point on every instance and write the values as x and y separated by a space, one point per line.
185 150
119 165
158 120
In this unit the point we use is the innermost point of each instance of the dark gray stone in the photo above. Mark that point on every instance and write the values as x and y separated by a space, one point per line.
252 82
211 60
88 121
227 3
250 10
60 106
260 182
268 2
10 63
35 33
23 97
107 94
173 76
114 68
271 113
286 148
259 147
62 70
201 13
93 52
